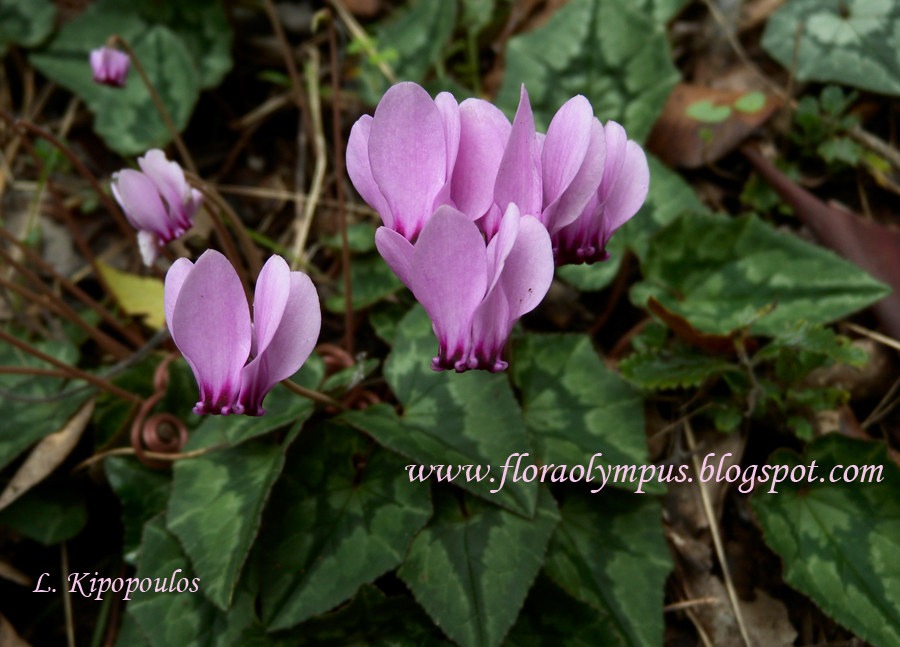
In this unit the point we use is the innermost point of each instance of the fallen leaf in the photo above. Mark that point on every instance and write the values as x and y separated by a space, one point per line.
47 456
872 246
700 125
137 296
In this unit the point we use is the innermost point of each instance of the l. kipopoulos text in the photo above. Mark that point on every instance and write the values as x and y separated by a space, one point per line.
518 468
95 586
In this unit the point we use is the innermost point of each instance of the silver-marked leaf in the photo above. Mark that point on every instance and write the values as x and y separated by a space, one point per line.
838 541
215 509
723 274
449 419
609 552
574 407
852 42
143 493
611 51
173 611
472 567
342 515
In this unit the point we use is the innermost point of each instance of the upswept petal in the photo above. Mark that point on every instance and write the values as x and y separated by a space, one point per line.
397 252
449 280
360 171
501 245
148 246
630 189
139 199
450 116
269 300
210 323
528 270
518 179
583 186
484 131
174 280
490 330
408 155
565 146
616 143
289 345
170 182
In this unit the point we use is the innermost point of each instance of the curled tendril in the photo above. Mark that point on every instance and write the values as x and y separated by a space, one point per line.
162 433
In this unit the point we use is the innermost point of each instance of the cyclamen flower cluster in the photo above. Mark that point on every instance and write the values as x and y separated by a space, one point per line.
476 211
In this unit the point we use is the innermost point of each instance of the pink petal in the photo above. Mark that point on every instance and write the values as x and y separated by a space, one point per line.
360 171
449 277
583 185
490 331
630 190
518 179
210 323
397 252
289 345
140 201
450 118
148 245
484 131
408 155
174 280
269 300
501 244
567 141
528 270
169 179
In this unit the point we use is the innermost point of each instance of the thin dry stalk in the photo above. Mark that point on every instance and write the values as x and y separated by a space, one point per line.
716 537
157 102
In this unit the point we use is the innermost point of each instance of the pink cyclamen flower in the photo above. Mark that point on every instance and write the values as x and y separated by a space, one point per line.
402 158
626 180
209 320
157 201
109 66
473 291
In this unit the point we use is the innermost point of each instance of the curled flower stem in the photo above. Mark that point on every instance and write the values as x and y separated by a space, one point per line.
71 371
157 101
162 432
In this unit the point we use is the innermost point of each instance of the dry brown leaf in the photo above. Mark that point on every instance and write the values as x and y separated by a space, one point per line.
700 125
47 455
8 635
872 246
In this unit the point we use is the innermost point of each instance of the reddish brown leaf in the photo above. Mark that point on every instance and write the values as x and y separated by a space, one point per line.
700 125
872 246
